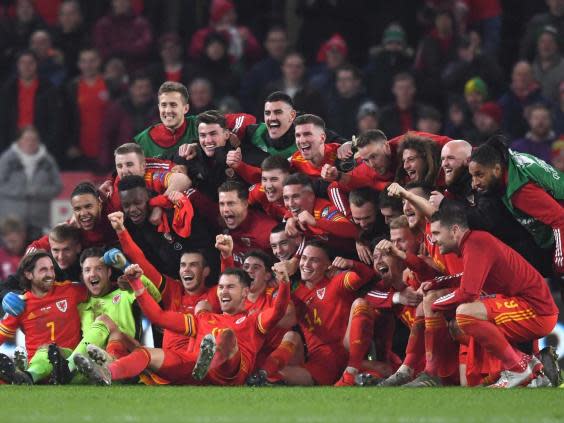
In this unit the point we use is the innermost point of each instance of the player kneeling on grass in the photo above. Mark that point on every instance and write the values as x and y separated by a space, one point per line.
518 306
229 342
46 313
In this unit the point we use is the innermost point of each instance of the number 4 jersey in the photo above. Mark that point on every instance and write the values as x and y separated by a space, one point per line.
52 318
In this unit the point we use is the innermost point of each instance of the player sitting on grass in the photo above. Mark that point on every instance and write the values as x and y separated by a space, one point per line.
48 313
228 342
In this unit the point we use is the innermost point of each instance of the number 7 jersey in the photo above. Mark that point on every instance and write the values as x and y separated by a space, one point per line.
52 318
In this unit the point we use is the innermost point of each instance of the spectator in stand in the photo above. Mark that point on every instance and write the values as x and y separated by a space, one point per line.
484 16
16 31
116 77
346 100
13 239
200 93
50 61
548 67
128 116
538 141
557 154
558 111
27 99
434 51
124 34
294 83
242 46
267 70
429 120
367 118
171 66
29 180
86 99
458 123
475 93
487 122
400 116
553 17
214 65
523 92
70 35
393 56
469 64
331 55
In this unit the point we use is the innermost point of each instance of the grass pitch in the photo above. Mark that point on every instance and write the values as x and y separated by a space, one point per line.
323 405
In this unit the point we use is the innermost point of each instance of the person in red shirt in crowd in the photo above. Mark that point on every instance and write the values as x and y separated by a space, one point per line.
249 229
286 247
13 235
316 217
243 46
50 316
421 161
502 300
268 194
123 33
89 215
88 98
228 342
130 160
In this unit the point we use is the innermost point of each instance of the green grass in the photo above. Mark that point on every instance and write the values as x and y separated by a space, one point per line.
324 405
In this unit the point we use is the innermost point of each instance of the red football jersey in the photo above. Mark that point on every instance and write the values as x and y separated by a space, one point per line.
323 311
52 318
448 264
174 298
303 166
257 196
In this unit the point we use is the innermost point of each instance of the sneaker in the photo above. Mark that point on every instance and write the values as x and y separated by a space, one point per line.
397 379
99 355
61 374
10 374
347 379
551 368
20 359
510 379
541 381
367 379
424 380
207 351
98 375
257 379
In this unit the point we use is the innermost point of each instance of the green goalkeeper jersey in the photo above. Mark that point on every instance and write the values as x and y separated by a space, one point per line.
120 306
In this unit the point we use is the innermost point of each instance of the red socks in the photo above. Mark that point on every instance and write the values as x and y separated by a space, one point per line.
415 350
492 339
131 365
117 349
279 358
441 352
360 334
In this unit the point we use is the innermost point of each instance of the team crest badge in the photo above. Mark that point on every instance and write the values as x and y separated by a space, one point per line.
116 299
177 246
321 293
325 211
62 305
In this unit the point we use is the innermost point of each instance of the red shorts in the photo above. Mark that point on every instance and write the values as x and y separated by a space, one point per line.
327 363
517 319
177 367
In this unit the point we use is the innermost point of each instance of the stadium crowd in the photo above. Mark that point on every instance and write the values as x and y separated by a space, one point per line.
310 216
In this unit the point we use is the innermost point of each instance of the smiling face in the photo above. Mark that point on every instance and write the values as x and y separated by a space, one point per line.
278 117
273 183
129 164
232 209
415 218
485 178
65 252
86 209
96 276
212 136
297 198
376 155
232 294
314 263
414 165
258 273
444 238
283 246
135 204
193 272
310 140
454 159
389 267
42 277
172 109
404 240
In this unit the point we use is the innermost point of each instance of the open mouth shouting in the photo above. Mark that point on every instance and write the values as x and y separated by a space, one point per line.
209 149
229 219
305 149
383 269
274 127
411 174
136 217
86 221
